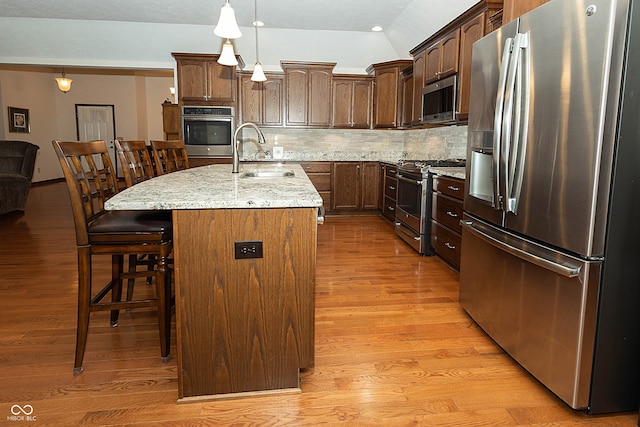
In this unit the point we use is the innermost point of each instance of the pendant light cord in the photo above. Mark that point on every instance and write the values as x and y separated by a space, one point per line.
255 23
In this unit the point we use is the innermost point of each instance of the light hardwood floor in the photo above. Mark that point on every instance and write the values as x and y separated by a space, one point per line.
393 346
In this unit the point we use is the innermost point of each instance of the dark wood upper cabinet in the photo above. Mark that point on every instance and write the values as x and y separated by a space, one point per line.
449 52
470 32
262 102
442 57
410 108
419 63
516 8
307 88
352 101
202 81
388 93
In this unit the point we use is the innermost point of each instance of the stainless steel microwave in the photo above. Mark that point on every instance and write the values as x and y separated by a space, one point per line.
439 101
207 131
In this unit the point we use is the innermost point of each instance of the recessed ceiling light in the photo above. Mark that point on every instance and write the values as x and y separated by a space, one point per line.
376 28
257 24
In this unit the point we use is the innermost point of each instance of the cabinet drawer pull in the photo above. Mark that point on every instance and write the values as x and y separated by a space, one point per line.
449 245
452 214
391 187
453 188
391 208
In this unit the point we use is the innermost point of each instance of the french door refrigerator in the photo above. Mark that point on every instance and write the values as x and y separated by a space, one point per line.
550 265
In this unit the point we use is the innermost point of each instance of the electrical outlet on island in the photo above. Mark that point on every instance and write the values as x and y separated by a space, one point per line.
278 152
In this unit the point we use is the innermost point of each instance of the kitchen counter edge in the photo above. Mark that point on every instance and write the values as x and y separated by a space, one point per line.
215 187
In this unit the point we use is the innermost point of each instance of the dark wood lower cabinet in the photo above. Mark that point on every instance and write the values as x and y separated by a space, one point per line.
319 174
388 191
446 213
355 186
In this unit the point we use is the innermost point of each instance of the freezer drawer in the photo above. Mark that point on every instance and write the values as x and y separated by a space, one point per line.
538 304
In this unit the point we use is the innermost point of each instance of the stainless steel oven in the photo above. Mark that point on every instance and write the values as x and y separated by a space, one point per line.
208 131
413 201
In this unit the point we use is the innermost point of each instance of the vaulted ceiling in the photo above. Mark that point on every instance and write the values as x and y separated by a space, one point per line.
405 24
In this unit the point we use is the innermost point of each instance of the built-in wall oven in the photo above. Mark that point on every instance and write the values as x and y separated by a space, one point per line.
413 201
207 131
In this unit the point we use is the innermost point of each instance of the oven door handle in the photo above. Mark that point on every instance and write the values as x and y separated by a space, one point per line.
411 181
207 118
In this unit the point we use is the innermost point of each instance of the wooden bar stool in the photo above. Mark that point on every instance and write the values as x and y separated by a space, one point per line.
135 160
169 156
91 180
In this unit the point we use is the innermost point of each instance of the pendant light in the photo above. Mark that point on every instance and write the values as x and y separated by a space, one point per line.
258 72
64 84
227 27
227 56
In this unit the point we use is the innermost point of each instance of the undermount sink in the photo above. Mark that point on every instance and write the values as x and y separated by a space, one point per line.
268 174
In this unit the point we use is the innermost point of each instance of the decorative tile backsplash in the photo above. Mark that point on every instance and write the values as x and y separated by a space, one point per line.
357 144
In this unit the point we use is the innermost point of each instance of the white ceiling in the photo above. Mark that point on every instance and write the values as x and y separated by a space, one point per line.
340 15
143 33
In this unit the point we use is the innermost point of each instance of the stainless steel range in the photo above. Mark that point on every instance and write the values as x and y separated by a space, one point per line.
413 205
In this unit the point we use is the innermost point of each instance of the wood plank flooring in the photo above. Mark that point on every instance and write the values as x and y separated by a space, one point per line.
393 346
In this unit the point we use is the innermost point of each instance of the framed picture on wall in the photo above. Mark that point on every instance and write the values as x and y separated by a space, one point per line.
19 120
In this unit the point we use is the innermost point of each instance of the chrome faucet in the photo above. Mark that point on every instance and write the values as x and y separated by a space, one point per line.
236 144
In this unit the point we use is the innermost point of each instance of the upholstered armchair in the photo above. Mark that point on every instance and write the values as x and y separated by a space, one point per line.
17 161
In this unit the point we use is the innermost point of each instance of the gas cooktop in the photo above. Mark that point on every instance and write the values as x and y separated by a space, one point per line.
422 166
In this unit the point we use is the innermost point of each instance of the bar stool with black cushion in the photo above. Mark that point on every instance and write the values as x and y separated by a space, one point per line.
91 180
136 167
169 156
136 162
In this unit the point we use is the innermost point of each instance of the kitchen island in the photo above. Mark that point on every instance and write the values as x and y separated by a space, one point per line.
244 261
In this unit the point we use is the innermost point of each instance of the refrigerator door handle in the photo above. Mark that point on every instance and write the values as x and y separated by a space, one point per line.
563 270
510 142
515 130
498 122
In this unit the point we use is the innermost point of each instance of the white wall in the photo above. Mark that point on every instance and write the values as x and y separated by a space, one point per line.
137 105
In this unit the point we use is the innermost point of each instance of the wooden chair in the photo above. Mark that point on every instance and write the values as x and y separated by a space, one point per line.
135 160
91 180
169 156
136 167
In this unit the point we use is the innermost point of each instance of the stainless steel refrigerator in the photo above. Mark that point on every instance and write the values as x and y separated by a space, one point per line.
550 264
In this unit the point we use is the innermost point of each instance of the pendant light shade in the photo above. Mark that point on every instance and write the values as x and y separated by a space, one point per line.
227 56
227 27
64 84
258 73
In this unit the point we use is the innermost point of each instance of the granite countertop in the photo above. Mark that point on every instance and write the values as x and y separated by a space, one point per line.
454 172
215 187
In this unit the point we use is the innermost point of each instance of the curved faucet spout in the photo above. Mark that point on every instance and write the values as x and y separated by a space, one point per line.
236 144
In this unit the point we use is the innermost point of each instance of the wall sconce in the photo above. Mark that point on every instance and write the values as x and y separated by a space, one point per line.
227 27
64 84
172 91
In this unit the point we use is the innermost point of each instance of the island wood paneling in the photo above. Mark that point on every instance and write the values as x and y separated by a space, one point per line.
244 325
